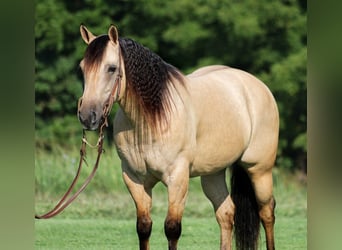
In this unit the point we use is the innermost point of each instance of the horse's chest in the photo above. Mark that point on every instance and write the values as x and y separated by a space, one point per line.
158 153
143 159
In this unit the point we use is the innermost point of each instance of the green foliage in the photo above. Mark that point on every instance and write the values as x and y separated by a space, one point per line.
266 38
287 80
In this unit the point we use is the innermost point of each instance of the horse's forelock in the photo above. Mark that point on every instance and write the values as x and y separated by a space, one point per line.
94 52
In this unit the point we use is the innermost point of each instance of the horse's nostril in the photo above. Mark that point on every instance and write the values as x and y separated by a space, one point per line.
82 119
93 117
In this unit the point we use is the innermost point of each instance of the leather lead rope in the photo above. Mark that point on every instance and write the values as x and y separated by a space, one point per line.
65 201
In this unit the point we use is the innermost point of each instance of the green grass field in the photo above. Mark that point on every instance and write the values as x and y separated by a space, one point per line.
103 217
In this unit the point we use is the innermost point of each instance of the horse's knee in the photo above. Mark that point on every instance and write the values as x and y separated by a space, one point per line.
173 229
144 227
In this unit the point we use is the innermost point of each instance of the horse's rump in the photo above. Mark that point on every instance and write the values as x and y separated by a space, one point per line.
229 103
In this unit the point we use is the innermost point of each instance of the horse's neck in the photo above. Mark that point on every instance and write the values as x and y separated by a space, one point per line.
139 124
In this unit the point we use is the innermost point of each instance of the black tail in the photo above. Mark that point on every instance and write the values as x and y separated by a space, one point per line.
246 218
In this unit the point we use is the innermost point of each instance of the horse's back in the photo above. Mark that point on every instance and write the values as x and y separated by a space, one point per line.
207 69
237 117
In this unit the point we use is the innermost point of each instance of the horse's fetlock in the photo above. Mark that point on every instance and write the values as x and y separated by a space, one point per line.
173 229
144 227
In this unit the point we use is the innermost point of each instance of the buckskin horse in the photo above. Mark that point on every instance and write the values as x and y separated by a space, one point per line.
171 126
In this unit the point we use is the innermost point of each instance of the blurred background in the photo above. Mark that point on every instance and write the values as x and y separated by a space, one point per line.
265 38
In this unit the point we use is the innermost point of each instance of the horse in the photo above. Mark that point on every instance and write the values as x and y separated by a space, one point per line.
170 127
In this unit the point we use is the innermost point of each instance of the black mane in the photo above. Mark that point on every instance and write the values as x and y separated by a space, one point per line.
148 78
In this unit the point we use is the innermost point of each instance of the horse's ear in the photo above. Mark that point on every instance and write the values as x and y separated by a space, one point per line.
87 36
113 34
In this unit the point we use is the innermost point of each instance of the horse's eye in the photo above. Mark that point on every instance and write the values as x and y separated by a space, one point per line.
111 69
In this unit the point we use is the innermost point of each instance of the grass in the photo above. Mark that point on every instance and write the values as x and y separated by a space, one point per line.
103 217
120 234
116 233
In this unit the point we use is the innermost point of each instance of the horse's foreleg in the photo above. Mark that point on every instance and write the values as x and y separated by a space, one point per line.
215 188
177 183
142 196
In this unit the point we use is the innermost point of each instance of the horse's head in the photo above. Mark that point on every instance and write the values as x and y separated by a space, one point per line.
102 70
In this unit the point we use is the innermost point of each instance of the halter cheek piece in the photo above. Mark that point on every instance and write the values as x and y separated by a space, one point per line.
65 201
114 95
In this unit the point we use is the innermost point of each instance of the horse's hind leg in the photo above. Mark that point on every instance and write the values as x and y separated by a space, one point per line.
142 196
263 184
215 188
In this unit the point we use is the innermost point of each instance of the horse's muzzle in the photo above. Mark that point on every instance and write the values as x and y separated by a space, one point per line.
90 119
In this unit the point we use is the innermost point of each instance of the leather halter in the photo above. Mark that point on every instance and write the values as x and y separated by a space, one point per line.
115 93
64 202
